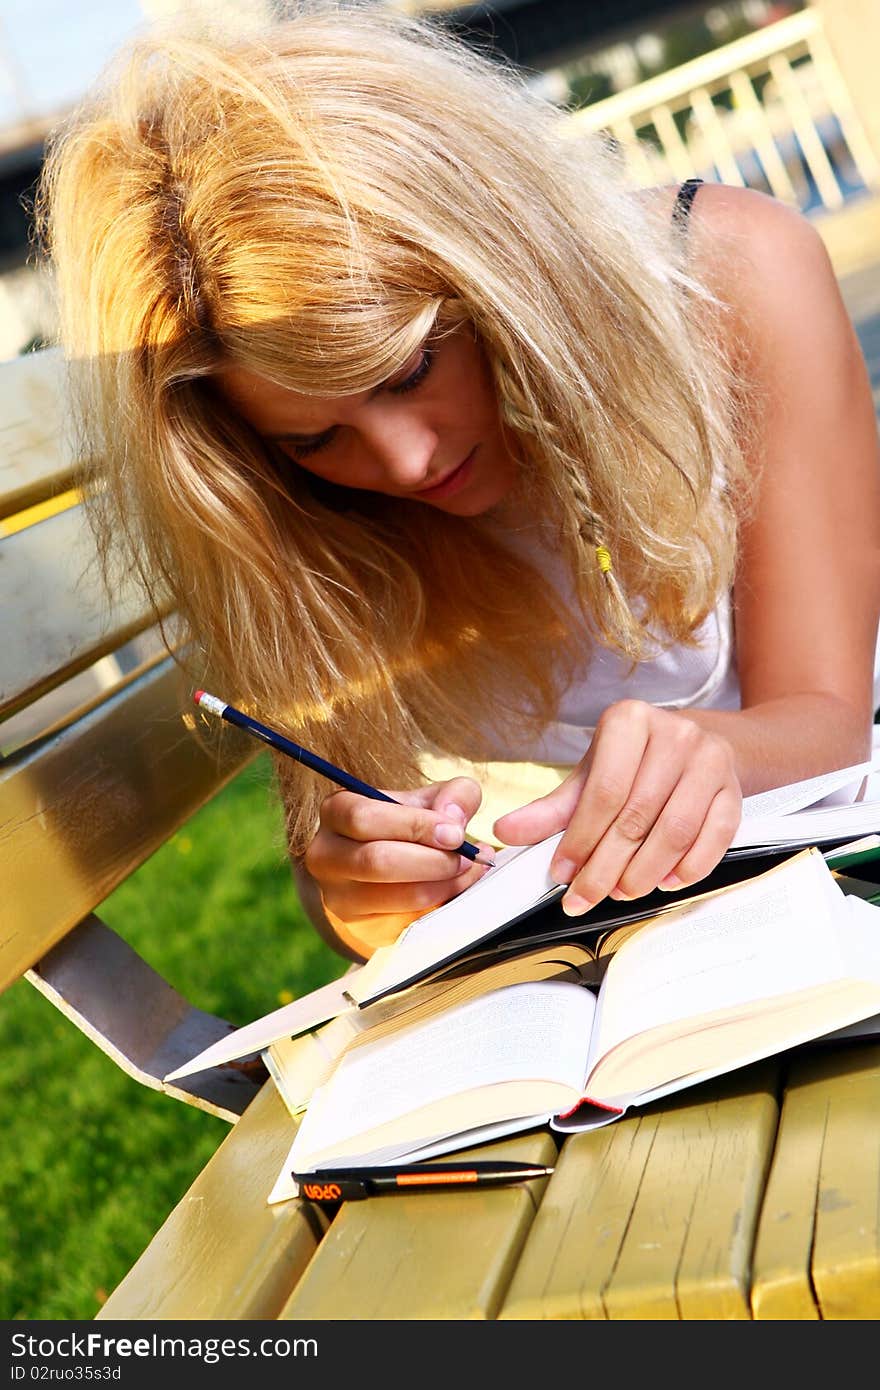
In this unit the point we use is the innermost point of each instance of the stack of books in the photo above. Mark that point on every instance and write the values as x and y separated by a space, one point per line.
496 1013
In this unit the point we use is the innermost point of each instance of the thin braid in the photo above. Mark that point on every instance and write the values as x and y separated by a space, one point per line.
618 613
612 612
517 410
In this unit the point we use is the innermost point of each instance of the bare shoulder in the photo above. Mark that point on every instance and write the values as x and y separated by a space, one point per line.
754 226
759 256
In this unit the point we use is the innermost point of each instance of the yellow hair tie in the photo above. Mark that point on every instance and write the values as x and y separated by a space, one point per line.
603 555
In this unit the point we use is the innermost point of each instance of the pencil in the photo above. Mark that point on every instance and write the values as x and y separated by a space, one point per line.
312 760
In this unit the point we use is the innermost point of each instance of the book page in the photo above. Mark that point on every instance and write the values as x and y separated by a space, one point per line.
863 959
780 801
813 825
298 1066
769 936
565 960
519 880
300 1016
521 1033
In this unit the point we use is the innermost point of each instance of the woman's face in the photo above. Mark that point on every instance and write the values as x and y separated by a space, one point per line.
431 433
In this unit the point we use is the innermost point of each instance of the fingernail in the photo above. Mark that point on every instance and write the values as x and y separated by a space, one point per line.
619 896
574 906
562 870
670 882
455 811
449 836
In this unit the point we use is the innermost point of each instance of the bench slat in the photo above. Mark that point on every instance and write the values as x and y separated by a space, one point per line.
781 1284
55 620
82 810
424 1255
707 1164
36 456
574 1243
846 1251
653 1216
818 1249
734 1135
224 1252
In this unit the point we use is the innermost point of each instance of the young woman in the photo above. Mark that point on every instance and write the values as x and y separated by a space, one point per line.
463 460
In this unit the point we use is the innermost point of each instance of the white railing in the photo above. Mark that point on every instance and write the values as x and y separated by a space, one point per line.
770 110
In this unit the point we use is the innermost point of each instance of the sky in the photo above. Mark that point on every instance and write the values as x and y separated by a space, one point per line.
50 50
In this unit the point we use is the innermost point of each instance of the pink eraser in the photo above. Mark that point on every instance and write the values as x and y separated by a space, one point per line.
198 696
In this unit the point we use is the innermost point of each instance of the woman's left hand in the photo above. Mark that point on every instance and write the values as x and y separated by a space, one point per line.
654 803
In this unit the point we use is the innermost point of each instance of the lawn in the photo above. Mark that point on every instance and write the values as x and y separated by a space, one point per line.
92 1161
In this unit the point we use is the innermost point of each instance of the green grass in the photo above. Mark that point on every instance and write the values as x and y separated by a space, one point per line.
92 1162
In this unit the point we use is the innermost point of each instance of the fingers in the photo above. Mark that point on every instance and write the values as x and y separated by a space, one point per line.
381 864
545 815
460 796
689 834
332 858
718 829
627 784
352 900
659 806
357 818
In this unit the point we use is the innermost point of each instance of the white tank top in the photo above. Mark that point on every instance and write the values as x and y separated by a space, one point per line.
671 677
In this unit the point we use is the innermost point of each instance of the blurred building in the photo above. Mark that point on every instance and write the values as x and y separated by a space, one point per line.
50 52
548 34
776 94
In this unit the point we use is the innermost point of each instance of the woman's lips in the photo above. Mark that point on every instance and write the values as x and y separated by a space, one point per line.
452 483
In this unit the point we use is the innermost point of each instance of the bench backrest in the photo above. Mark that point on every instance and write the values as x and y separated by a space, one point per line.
101 756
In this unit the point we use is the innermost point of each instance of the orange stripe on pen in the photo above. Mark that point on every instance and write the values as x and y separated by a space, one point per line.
423 1179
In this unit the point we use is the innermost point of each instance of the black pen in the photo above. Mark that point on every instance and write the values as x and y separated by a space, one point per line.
351 1184
312 760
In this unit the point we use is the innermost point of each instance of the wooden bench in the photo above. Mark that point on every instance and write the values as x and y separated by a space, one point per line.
754 1197
101 761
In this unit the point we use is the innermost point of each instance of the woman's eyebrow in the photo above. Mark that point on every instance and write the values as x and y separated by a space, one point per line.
289 437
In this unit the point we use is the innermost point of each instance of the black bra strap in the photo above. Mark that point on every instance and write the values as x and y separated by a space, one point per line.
684 199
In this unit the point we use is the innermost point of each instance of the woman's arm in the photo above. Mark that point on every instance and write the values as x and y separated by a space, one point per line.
335 935
807 593
656 798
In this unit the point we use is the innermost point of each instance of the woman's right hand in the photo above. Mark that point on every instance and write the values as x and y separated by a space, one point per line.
379 865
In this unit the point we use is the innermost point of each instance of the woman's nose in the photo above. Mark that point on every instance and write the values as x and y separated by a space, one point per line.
404 445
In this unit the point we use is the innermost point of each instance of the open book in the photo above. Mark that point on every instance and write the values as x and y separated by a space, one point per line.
770 963
450 941
510 905
300 1064
520 885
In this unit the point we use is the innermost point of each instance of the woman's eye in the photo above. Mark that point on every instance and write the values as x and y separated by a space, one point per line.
417 375
301 450
311 446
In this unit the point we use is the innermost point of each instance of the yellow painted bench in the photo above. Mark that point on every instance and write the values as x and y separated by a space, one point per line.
753 1197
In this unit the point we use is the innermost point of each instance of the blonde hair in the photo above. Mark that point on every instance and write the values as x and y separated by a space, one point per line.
310 201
